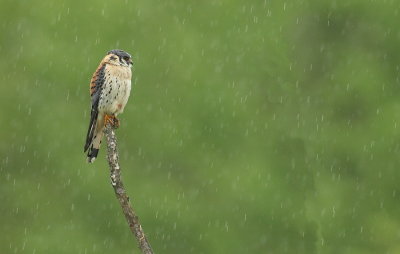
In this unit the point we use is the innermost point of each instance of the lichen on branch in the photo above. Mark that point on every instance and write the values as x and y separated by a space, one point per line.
120 193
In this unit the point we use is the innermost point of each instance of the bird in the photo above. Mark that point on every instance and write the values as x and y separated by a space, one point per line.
110 87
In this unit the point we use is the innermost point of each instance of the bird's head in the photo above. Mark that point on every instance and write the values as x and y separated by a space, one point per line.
119 57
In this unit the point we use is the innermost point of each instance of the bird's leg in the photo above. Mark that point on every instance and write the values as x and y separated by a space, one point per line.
111 119
108 119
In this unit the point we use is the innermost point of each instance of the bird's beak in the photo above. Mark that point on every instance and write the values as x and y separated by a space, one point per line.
130 62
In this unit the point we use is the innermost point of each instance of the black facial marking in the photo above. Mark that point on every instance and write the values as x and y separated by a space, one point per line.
121 55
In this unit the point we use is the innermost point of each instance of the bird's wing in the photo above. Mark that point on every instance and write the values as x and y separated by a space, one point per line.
96 86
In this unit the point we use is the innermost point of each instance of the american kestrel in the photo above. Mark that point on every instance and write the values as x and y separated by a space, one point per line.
110 87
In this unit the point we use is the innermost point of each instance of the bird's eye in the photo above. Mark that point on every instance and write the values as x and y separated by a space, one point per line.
126 58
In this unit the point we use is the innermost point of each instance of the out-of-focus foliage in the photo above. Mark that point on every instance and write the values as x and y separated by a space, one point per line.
253 126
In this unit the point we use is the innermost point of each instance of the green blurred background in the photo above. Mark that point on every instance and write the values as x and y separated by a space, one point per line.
253 126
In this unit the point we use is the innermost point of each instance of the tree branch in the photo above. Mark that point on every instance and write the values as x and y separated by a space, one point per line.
119 189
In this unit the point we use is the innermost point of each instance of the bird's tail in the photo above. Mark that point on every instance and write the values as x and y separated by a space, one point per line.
95 146
94 136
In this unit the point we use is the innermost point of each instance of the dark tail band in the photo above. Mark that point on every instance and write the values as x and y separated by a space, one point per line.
92 154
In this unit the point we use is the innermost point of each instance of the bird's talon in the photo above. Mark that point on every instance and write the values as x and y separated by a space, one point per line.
112 120
116 122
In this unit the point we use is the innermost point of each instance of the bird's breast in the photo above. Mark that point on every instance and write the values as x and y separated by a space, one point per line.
116 90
